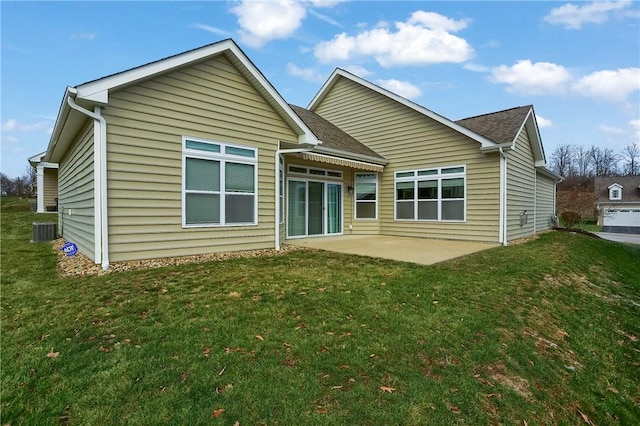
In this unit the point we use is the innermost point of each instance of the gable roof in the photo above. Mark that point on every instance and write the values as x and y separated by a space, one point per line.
505 126
501 126
630 188
96 92
339 73
335 139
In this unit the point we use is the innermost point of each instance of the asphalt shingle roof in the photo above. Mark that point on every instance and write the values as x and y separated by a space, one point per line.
332 136
501 126
630 185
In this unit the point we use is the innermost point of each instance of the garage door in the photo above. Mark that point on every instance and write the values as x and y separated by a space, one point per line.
622 217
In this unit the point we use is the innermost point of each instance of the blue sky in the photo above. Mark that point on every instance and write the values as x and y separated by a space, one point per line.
578 63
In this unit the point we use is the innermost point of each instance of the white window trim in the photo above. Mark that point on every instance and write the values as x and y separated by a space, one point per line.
282 183
222 158
356 201
439 176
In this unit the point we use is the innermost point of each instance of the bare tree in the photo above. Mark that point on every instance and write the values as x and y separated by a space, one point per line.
604 161
561 161
631 159
583 161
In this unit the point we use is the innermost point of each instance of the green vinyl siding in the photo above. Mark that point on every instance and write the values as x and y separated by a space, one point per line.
76 216
411 140
210 100
521 189
545 201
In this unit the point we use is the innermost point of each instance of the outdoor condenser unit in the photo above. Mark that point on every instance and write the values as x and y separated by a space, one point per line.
44 231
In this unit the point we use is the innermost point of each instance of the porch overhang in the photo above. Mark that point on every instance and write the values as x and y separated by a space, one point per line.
337 161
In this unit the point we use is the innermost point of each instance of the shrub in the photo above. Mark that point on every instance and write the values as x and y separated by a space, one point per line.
570 219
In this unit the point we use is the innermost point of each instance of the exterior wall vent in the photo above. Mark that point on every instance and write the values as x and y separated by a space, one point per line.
44 231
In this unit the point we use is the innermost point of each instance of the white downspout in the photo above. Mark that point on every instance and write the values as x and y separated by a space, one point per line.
100 182
503 198
279 152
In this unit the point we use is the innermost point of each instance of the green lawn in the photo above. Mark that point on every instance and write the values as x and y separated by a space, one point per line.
544 332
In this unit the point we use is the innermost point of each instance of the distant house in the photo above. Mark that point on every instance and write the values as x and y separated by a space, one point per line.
618 203
198 153
46 183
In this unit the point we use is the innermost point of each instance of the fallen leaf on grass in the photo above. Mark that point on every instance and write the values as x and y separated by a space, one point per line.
336 387
322 410
387 389
217 413
206 352
53 354
183 376
586 418
259 337
454 409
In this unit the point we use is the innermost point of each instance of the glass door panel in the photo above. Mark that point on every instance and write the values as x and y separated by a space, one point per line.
316 208
297 204
334 208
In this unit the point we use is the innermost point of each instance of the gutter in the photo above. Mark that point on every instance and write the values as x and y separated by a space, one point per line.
280 152
101 225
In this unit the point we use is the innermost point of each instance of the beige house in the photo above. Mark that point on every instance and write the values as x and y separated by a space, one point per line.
198 153
46 183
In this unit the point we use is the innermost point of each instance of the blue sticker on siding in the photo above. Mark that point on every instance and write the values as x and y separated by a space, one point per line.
70 249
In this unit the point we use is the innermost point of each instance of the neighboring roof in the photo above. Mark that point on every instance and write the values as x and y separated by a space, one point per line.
334 138
501 126
630 188
340 73
96 92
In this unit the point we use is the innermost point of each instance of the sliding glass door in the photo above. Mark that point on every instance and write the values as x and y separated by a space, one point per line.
314 208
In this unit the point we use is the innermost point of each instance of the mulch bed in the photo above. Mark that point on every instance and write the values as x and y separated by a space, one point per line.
80 265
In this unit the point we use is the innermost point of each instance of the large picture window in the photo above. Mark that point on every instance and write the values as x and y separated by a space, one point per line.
219 184
366 195
436 194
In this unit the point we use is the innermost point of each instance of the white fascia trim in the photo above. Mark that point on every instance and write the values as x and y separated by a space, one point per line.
538 150
63 114
98 90
422 110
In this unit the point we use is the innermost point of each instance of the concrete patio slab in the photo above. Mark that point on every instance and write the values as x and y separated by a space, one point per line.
416 250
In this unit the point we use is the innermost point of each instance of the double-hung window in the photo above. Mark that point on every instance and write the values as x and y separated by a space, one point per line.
366 195
435 194
219 184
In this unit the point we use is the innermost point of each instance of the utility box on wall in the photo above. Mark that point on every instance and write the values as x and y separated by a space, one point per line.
44 231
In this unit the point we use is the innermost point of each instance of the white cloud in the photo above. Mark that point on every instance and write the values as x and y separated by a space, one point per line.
308 74
358 70
210 29
634 125
325 18
475 67
611 130
543 122
532 78
13 125
9 125
611 85
263 21
574 17
425 38
325 3
545 78
402 88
